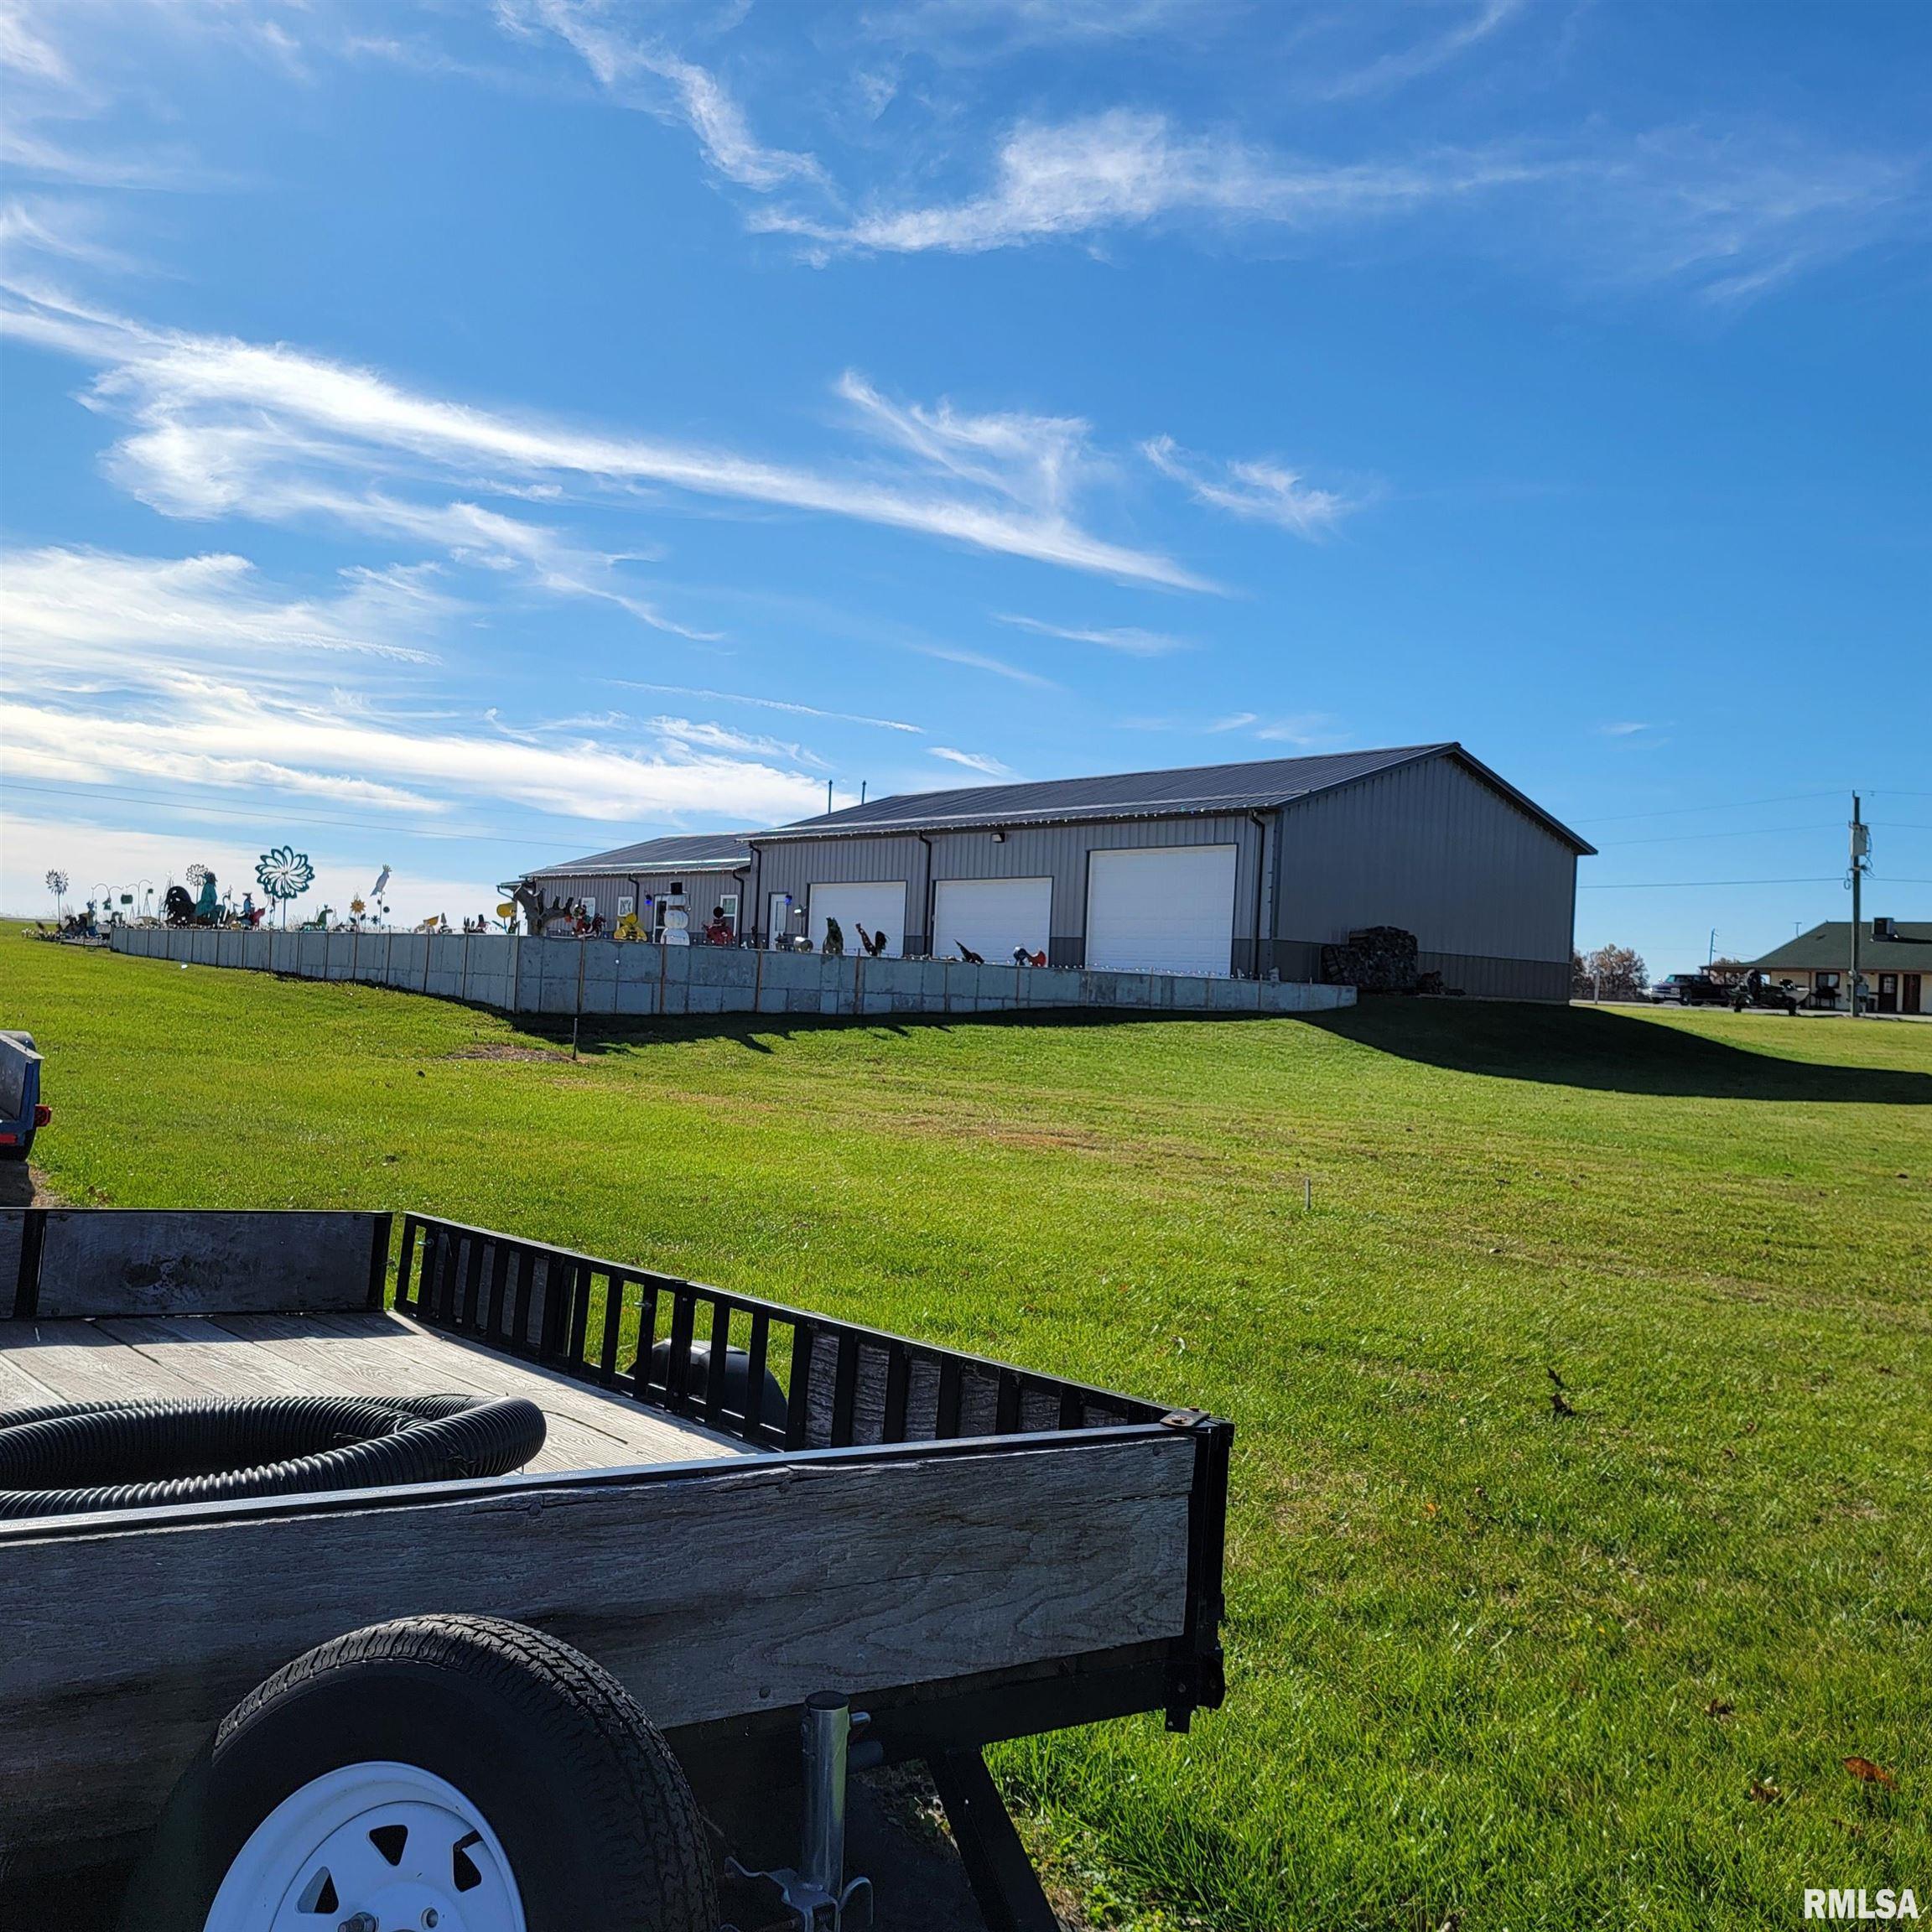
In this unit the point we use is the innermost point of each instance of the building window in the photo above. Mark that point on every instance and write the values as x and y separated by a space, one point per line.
1824 989
589 908
625 906
729 900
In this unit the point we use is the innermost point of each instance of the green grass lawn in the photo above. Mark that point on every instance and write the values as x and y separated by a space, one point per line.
1487 1666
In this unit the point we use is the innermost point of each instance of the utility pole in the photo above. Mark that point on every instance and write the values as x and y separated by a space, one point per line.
1709 957
1860 858
828 795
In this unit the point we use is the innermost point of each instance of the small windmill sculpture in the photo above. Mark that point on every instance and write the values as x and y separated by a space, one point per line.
284 874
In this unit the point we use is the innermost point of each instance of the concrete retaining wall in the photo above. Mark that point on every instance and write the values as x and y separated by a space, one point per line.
556 976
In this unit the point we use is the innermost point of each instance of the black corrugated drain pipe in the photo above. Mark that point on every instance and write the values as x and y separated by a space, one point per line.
71 1457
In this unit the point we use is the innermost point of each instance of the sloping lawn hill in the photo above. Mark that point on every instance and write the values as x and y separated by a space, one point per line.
1488 1665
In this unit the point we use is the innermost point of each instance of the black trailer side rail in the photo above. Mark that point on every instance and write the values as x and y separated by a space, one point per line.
665 1342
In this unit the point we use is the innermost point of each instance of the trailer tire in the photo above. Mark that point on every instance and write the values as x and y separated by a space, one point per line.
590 1811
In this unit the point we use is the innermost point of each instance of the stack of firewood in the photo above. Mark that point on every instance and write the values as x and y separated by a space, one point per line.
1377 959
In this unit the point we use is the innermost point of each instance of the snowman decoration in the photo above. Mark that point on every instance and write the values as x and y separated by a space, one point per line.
677 917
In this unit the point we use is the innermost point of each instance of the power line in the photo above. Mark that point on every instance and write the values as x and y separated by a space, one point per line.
1684 884
1758 832
1740 832
1721 805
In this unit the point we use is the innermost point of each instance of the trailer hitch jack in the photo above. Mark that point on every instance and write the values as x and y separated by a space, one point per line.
817 1890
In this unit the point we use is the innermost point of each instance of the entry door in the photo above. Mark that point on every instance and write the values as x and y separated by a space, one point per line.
1911 989
1888 992
1162 909
779 920
991 917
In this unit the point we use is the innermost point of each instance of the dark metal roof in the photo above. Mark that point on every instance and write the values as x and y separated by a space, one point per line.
689 852
1198 790
1828 948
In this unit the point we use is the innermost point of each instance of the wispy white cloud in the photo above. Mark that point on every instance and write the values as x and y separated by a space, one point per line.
1127 168
210 734
26 151
1729 215
770 704
221 426
973 761
1402 65
956 33
1306 730
712 736
694 94
191 673
74 613
41 226
26 49
1129 639
1257 488
1033 459
978 661
1726 214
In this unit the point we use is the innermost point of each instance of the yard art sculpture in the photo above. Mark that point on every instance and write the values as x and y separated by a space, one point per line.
208 904
56 883
284 874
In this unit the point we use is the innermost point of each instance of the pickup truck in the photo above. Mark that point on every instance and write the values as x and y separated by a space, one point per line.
22 1113
1690 990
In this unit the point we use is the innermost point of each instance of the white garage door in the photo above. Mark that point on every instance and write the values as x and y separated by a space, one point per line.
879 906
1162 909
991 916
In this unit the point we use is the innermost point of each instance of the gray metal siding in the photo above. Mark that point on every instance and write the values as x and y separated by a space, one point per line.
1057 852
701 889
1432 849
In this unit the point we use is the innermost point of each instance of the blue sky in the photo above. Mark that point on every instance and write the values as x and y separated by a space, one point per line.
458 438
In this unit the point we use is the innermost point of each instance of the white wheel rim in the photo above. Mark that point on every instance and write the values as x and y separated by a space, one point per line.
373 1848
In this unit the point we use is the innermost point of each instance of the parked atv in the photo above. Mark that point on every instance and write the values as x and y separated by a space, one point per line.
1758 991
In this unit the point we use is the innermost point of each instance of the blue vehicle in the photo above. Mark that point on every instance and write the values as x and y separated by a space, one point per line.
22 1112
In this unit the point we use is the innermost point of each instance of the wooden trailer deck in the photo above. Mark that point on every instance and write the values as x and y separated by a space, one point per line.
181 1357
739 1505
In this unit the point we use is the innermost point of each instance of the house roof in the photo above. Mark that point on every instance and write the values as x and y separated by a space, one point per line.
1828 948
1198 790
688 852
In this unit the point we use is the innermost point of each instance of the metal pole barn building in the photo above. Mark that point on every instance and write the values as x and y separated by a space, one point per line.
1217 870
709 868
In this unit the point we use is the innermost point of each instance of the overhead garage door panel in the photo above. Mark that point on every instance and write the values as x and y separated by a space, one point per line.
877 905
991 916
1162 909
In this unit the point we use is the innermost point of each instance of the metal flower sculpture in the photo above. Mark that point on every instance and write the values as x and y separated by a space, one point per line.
56 883
198 875
284 873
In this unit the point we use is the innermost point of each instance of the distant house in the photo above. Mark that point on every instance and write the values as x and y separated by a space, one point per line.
708 868
1895 961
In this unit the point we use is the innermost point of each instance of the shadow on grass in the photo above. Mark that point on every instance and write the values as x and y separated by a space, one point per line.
1577 1046
756 1031
1559 1045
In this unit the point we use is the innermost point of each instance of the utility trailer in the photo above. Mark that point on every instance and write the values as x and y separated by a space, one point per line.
749 1515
